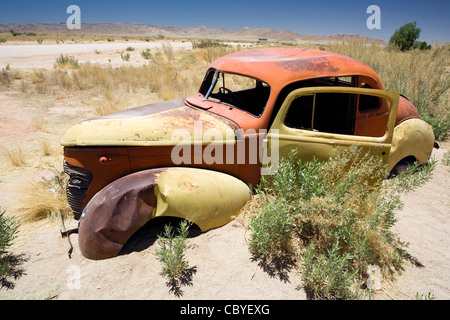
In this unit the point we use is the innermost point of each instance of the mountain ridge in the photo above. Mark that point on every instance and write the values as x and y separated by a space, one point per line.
138 29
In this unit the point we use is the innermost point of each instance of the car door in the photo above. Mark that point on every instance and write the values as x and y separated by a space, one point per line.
318 121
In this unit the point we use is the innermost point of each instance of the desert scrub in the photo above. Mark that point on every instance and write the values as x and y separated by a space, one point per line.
329 273
66 62
8 232
429 296
146 54
271 229
171 250
169 74
336 216
208 43
125 57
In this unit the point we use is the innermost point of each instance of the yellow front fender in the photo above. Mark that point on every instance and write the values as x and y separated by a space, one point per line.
208 198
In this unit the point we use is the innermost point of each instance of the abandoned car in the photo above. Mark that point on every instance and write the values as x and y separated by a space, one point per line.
196 158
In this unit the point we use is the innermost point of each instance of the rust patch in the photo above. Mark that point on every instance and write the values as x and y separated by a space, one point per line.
189 186
319 64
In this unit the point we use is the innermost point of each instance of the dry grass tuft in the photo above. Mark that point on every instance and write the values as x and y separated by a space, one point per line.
46 148
16 156
42 200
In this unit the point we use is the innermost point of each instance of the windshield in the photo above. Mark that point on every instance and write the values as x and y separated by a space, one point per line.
236 91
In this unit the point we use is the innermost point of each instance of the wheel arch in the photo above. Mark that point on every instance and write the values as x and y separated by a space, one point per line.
411 138
208 198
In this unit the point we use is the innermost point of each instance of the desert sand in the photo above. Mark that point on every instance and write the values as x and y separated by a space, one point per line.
220 262
25 55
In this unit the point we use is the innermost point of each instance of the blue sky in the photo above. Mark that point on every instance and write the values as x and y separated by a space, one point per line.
323 17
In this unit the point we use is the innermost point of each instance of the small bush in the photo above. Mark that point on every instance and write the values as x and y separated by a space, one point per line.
130 49
125 57
171 250
441 127
271 229
8 232
66 61
328 274
207 43
146 54
429 296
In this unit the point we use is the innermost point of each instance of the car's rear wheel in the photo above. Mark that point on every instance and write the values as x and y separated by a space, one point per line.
402 166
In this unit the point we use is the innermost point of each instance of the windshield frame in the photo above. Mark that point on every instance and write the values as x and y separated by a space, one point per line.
215 74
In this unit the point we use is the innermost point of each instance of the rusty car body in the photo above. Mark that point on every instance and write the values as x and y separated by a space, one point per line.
122 168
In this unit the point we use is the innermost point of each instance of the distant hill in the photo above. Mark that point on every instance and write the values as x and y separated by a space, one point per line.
136 29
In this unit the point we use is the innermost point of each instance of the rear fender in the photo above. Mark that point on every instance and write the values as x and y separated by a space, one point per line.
412 138
209 199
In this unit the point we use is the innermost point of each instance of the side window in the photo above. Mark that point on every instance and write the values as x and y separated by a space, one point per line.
336 113
367 103
325 112
299 115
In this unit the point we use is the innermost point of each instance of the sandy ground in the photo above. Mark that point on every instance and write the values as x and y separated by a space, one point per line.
220 263
25 55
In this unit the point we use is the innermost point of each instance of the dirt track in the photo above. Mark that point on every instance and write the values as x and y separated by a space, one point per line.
29 55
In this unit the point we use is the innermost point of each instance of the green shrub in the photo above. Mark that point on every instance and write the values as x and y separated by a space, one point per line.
328 274
171 250
271 229
441 127
146 54
125 57
130 49
67 61
8 232
339 213
429 296
207 43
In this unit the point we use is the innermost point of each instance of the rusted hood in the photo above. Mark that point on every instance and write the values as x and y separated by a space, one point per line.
148 125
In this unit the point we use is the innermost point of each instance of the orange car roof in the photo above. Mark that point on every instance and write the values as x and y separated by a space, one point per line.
281 66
